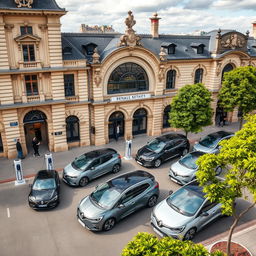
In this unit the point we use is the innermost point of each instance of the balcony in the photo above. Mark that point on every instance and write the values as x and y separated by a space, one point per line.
32 64
72 98
74 63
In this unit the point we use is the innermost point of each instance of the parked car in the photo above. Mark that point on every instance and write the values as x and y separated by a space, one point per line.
161 149
183 213
184 170
91 165
116 199
210 143
45 190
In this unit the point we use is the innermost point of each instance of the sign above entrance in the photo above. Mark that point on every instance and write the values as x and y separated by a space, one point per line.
130 97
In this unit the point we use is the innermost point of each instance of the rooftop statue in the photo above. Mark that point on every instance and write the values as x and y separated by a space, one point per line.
24 3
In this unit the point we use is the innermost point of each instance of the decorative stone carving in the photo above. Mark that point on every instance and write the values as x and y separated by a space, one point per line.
163 54
43 27
97 77
218 68
129 38
233 41
161 73
95 57
24 3
9 27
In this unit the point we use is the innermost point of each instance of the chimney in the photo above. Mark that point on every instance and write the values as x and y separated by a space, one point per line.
254 29
155 25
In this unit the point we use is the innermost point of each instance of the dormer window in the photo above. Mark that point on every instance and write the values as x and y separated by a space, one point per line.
170 47
67 50
89 48
199 47
26 30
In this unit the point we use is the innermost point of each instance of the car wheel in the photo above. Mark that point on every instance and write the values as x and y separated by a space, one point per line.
109 224
83 182
152 201
116 168
157 163
190 234
184 152
218 170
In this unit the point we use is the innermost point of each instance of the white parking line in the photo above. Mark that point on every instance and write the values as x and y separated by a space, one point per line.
8 213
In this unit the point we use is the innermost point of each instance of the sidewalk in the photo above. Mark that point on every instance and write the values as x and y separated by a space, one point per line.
31 165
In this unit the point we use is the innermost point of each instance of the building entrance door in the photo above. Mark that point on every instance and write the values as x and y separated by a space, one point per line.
117 118
139 124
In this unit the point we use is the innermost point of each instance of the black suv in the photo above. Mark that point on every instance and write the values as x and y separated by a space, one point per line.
161 149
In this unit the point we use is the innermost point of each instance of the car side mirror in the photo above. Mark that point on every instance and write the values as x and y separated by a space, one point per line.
204 214
170 192
92 168
120 206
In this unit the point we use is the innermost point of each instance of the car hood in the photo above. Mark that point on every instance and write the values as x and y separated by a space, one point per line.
199 147
180 169
89 209
169 216
145 151
69 170
43 194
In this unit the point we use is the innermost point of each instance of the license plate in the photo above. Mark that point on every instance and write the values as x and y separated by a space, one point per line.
44 205
139 162
81 222
174 180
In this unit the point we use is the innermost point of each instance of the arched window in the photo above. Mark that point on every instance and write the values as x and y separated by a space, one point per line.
170 80
34 116
227 68
128 77
72 128
199 76
166 116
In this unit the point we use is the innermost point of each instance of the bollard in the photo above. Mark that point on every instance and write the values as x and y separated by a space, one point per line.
128 150
48 161
19 173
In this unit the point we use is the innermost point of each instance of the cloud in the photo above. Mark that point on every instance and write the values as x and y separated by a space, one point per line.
197 4
234 4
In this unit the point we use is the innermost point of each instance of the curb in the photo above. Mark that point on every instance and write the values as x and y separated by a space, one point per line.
25 177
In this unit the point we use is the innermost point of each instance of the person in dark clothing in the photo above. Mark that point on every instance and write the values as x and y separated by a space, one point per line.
19 149
35 144
117 132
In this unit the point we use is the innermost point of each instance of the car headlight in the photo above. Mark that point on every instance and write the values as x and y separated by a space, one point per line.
96 220
149 158
54 198
71 177
178 230
31 198
183 176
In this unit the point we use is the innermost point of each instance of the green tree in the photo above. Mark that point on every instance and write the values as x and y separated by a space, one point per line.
191 108
239 90
144 244
238 158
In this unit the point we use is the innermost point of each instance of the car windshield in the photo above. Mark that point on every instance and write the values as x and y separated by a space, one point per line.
82 161
210 141
189 161
105 196
43 184
185 201
156 145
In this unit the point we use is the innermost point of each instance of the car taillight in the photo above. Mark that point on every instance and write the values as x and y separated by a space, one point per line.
157 185
119 156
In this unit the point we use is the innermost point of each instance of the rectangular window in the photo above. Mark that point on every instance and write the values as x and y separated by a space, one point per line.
69 85
26 30
1 144
28 52
31 85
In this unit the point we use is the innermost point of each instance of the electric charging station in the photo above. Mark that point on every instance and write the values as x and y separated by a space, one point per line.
128 150
48 161
19 173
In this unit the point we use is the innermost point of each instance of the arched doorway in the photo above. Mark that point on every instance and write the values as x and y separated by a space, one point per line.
35 126
72 129
166 116
139 124
117 118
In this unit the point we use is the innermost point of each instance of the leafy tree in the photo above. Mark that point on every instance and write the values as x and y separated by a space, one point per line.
191 108
239 90
144 244
238 157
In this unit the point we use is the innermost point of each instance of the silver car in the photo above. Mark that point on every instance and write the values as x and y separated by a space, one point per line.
91 165
210 143
184 213
184 170
116 199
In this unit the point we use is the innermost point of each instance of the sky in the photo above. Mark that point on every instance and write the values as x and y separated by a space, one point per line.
177 16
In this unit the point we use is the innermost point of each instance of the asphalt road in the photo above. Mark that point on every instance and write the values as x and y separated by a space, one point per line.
57 232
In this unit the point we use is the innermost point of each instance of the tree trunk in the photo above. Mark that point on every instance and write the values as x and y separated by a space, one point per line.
241 123
231 230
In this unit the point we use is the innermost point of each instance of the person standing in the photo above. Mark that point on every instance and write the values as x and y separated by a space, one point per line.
117 131
35 144
19 149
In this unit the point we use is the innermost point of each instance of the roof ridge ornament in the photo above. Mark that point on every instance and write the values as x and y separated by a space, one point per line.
129 38
24 3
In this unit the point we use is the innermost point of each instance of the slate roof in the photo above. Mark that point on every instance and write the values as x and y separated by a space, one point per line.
50 5
185 44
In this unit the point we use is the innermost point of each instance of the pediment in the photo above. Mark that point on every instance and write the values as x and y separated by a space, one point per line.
27 38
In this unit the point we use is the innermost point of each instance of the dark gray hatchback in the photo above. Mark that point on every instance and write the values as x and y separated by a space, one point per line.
116 199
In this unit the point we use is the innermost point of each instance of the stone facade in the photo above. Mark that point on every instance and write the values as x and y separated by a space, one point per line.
89 113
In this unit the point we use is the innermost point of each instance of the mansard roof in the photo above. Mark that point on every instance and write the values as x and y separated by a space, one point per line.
49 5
185 44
